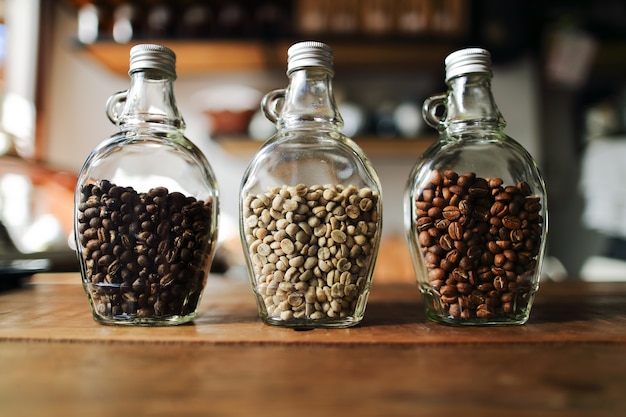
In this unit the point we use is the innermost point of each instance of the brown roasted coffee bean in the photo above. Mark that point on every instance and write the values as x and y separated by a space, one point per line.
451 213
524 188
464 287
434 212
431 259
442 224
455 230
436 178
499 260
480 237
446 242
453 256
454 310
436 274
532 204
500 283
448 290
446 265
449 299
425 239
460 275
424 223
439 202
465 207
495 182
466 179
427 197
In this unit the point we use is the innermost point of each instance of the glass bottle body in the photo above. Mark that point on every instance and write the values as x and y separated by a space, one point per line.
476 213
310 213
146 212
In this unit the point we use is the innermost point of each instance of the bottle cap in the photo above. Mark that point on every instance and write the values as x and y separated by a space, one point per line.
467 61
150 56
309 54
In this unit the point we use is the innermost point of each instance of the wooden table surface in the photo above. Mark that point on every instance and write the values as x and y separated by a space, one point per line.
568 360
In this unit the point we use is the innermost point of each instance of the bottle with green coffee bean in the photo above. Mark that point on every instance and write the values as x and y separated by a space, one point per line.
310 205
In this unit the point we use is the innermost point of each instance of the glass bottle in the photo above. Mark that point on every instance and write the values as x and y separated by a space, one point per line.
310 205
146 205
475 206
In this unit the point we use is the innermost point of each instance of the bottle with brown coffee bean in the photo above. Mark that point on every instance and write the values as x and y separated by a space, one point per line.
310 205
146 205
475 206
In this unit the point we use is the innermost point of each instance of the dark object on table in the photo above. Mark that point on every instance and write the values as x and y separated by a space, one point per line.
16 267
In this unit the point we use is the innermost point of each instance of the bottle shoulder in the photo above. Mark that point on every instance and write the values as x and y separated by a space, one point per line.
147 142
307 141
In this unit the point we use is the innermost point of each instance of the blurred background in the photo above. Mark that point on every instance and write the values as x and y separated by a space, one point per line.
558 79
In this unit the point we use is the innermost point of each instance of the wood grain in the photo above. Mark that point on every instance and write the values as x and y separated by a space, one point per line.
59 311
568 360
101 379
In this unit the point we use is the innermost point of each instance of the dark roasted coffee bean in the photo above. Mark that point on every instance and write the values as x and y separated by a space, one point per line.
479 189
499 209
511 222
126 240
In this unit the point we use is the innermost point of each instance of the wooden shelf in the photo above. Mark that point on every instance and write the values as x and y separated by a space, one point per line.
390 148
361 48
213 56
191 57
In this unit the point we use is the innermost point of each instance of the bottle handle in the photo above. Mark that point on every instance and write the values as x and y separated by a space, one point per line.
271 103
429 109
114 105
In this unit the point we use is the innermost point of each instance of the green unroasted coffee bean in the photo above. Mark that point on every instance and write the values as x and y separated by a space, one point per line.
324 235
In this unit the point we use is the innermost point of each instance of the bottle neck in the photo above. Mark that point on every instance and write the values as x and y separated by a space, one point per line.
150 99
470 103
309 101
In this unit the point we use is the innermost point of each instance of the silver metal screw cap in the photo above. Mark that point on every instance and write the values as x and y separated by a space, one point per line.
151 56
309 54
467 61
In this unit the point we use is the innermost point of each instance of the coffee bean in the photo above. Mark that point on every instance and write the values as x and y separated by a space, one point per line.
332 236
451 213
446 242
424 223
138 241
455 231
511 222
479 238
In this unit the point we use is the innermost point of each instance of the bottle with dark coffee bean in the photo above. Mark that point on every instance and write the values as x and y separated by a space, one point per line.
146 205
475 206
